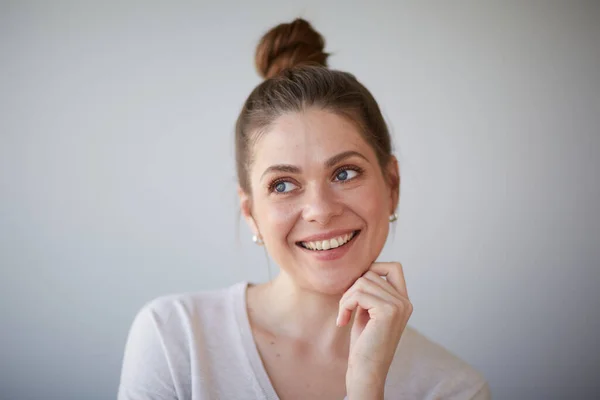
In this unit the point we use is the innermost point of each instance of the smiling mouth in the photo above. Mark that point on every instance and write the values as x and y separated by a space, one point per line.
329 244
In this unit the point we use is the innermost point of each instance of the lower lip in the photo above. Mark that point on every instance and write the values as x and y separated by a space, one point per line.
332 254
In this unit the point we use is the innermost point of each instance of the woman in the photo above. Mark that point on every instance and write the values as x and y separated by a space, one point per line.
318 186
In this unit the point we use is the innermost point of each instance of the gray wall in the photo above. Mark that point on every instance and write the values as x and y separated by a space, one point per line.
117 176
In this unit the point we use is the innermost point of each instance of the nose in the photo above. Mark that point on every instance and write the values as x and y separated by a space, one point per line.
321 204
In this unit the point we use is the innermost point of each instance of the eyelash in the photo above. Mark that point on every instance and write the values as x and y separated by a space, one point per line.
358 170
277 181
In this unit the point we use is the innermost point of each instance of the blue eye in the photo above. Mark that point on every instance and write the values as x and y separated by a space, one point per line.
283 187
346 174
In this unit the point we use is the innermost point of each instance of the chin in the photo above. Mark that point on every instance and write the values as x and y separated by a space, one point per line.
333 284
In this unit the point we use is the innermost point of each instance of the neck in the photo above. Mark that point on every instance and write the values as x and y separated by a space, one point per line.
301 314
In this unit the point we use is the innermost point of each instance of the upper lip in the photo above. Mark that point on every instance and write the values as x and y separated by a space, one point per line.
328 235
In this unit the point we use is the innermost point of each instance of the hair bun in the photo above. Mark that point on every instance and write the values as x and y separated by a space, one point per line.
288 45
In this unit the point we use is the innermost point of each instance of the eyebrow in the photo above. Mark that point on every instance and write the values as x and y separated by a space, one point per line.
292 169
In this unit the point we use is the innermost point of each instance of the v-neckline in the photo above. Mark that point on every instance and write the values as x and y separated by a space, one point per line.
249 344
260 373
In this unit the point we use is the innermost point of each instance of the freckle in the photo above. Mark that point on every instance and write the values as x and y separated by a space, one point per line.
278 355
272 342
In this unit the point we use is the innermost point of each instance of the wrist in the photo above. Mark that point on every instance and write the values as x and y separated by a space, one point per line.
364 394
365 388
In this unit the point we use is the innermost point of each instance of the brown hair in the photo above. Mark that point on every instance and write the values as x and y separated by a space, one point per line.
291 59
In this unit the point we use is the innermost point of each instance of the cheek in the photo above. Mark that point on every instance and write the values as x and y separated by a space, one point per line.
371 206
277 221
369 202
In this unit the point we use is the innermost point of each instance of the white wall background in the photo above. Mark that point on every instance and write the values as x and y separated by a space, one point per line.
117 176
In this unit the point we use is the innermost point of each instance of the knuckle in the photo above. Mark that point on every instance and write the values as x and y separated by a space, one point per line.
351 295
371 275
362 281
398 308
345 297
390 309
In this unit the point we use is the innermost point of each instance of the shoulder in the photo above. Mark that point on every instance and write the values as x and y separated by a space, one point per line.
189 305
176 319
165 338
429 370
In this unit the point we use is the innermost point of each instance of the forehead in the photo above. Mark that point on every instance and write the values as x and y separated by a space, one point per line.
308 137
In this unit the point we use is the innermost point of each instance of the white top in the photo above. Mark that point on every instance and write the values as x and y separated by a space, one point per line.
199 346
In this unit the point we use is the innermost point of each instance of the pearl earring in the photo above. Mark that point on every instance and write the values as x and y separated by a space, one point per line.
393 217
257 239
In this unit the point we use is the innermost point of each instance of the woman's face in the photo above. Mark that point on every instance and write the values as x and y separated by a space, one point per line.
319 199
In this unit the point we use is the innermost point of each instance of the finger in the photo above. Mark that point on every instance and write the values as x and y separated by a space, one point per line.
375 286
382 283
373 304
366 286
394 274
366 301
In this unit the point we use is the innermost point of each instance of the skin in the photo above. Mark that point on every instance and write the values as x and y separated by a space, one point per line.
324 328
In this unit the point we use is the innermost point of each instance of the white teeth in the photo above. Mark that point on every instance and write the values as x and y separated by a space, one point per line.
328 244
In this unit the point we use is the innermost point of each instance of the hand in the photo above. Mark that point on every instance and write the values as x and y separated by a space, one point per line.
382 311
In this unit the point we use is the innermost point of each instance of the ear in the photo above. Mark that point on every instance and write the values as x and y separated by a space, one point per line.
246 209
393 180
